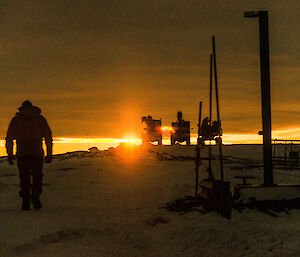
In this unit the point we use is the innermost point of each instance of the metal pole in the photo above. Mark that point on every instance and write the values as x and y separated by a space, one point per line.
216 76
197 160
265 93
266 96
199 123
210 89
211 177
218 110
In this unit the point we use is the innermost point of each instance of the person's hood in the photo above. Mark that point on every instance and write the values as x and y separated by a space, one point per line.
30 111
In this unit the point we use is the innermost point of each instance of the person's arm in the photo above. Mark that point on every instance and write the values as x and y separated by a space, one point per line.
48 139
10 136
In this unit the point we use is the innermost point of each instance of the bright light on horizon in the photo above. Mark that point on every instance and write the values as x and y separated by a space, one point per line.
65 144
60 140
288 133
168 129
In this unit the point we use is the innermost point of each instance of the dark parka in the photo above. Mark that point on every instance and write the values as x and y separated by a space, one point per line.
28 128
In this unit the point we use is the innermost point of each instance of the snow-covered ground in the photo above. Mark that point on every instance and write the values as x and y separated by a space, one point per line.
110 205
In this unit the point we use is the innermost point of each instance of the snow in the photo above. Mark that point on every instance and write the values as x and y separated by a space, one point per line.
110 204
262 193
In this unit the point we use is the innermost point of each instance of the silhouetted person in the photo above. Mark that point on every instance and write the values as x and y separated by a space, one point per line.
28 128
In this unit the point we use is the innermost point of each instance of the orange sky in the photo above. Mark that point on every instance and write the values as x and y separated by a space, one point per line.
96 67
62 145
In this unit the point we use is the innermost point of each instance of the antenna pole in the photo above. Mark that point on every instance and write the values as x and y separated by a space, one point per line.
218 110
210 88
216 76
211 177
197 160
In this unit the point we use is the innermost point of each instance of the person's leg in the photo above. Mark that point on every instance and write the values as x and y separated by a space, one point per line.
25 185
37 180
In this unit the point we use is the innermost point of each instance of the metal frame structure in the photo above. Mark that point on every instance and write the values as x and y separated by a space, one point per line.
290 161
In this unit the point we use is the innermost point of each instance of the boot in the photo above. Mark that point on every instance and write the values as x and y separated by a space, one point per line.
26 204
36 202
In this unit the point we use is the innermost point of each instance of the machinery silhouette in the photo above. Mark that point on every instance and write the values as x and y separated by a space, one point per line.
152 132
210 130
181 130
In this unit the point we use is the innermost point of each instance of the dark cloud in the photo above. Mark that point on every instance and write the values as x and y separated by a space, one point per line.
85 62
